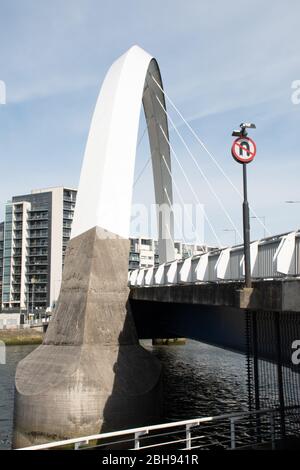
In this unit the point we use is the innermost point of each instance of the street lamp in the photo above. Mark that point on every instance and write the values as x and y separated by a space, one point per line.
243 151
231 230
242 132
263 217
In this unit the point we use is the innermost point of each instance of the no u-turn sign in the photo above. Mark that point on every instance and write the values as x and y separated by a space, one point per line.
243 150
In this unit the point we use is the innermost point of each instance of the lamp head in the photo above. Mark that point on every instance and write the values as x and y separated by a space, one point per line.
242 132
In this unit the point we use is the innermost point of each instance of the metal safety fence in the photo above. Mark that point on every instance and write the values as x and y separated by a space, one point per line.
273 373
255 429
274 257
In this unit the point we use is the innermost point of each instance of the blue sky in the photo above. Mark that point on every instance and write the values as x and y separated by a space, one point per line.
221 62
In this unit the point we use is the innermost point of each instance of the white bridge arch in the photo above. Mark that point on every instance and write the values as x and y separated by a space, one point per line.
106 181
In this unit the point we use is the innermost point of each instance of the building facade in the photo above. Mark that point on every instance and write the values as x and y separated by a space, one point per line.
1 258
144 252
37 228
33 240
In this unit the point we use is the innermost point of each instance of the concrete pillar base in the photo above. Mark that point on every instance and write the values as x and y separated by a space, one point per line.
90 375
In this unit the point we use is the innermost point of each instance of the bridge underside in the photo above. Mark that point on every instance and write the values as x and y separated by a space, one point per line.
221 326
220 314
212 313
264 334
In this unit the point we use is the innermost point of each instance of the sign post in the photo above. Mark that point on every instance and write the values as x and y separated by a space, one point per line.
243 151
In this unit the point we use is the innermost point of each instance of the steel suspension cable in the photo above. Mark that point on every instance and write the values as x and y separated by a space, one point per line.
140 175
179 195
208 152
190 186
174 218
200 170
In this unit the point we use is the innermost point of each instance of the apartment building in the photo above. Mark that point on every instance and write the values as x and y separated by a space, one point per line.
37 228
144 252
33 240
1 258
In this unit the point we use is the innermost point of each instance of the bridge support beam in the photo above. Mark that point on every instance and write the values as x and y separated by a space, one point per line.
90 375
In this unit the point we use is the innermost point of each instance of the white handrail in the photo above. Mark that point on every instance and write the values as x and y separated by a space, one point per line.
146 429
268 255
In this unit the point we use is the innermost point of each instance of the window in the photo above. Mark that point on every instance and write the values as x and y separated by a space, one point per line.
147 242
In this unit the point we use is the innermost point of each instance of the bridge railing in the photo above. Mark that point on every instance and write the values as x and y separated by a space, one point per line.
229 431
272 257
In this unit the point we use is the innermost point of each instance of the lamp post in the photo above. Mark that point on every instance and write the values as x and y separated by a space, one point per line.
263 217
243 151
231 230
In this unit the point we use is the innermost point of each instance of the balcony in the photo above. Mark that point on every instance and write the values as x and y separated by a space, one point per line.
41 234
134 256
17 245
67 233
69 206
16 288
35 273
38 279
134 264
38 226
36 263
34 218
42 290
41 269
68 216
69 198
40 244
34 252
39 209
16 291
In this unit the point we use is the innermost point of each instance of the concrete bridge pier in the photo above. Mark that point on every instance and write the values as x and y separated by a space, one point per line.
90 375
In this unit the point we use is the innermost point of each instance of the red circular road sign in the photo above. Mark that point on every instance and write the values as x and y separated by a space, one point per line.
243 149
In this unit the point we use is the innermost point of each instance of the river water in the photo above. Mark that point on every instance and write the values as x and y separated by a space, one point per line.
199 380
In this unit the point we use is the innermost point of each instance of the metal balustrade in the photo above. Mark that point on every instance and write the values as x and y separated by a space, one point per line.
43 216
251 429
37 225
272 257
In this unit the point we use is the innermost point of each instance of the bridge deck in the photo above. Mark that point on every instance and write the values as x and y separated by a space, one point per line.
274 295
